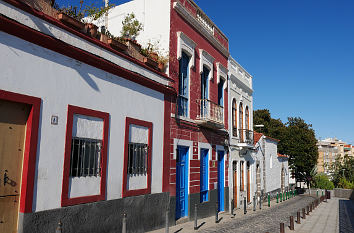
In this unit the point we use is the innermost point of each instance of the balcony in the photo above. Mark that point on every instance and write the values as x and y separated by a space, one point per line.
210 114
245 136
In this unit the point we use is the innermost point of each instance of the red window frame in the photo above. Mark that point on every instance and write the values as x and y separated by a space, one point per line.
65 200
127 193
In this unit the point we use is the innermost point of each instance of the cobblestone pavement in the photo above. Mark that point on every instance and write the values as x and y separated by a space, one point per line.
267 220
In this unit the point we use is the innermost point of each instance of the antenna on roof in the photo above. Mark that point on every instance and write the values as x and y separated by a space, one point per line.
106 14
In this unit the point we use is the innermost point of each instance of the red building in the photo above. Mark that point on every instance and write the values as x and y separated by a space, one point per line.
196 170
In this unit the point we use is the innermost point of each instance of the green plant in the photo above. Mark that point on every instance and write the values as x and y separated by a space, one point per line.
95 13
86 14
131 26
345 184
321 181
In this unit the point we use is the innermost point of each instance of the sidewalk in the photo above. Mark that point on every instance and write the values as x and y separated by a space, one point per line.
325 218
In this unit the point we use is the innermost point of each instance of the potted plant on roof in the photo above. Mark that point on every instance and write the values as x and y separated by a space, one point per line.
95 14
130 30
72 16
82 18
114 42
150 55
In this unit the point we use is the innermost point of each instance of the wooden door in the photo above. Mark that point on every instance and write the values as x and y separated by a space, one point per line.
235 183
248 185
13 118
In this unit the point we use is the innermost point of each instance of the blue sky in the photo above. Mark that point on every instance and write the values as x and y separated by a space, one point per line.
300 53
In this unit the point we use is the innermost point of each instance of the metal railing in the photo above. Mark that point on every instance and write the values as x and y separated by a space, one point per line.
182 106
210 111
245 136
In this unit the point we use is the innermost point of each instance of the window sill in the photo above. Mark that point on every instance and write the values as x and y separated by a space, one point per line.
182 118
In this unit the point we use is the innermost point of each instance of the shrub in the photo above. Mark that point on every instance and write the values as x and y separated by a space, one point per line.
131 27
344 183
321 181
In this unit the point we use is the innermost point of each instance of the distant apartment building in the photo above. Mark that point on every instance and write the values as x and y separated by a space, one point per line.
328 150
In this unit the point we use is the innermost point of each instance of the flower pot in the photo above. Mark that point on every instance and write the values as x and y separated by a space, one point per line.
115 44
134 50
104 38
150 62
161 66
71 22
154 56
92 29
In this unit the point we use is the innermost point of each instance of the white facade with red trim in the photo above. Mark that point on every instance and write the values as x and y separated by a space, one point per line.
81 100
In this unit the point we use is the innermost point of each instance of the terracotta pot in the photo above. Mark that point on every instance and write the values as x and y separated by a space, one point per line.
154 56
104 38
134 50
71 22
115 44
92 29
150 62
161 66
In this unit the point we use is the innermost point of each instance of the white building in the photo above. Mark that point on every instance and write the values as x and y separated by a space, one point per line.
273 166
242 167
89 125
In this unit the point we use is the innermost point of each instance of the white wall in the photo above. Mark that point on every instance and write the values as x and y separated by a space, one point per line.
58 80
153 14
240 88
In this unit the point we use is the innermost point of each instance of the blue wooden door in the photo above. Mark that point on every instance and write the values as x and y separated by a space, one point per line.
204 175
221 173
182 182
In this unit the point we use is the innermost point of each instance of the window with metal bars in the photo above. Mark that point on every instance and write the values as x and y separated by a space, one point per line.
85 157
137 158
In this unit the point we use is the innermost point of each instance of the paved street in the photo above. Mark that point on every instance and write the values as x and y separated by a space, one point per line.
266 220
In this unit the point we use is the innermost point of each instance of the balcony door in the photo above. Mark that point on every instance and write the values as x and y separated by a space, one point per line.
183 85
204 95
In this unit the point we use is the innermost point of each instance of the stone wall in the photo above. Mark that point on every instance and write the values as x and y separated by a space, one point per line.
344 193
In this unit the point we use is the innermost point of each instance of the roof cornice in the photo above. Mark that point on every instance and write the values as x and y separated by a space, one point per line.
198 27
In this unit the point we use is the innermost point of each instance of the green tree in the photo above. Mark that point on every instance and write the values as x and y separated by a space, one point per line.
297 139
272 127
343 167
322 181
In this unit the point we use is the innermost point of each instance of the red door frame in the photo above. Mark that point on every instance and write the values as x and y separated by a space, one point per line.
30 152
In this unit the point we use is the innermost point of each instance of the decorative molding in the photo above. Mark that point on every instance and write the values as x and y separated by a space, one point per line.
184 43
221 72
206 60
241 84
200 28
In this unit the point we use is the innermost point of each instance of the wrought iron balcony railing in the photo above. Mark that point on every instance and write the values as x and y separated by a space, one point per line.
245 136
210 113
